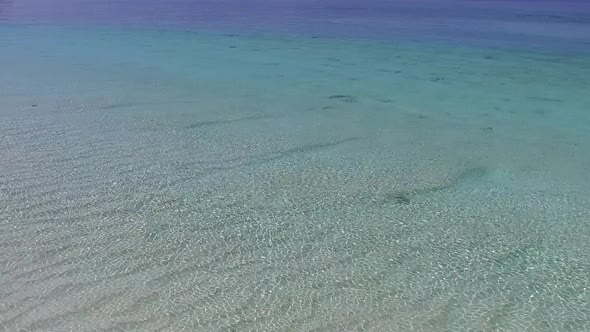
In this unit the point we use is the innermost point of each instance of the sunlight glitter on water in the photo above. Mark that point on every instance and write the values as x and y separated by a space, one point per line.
168 180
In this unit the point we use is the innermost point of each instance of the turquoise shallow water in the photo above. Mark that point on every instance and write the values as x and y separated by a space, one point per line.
166 180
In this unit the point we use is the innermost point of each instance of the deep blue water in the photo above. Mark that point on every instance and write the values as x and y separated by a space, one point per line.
545 24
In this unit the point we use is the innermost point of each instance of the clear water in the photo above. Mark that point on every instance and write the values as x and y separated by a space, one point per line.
318 166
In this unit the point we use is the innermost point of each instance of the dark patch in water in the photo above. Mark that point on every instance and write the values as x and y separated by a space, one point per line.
437 79
117 105
34 105
281 154
467 176
327 107
553 17
548 60
389 71
314 147
515 255
487 129
232 46
398 198
551 100
344 98
222 122
540 112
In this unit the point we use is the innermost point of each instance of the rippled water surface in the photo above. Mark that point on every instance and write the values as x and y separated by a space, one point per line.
281 166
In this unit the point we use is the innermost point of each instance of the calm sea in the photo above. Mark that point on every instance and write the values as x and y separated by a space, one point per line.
294 165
